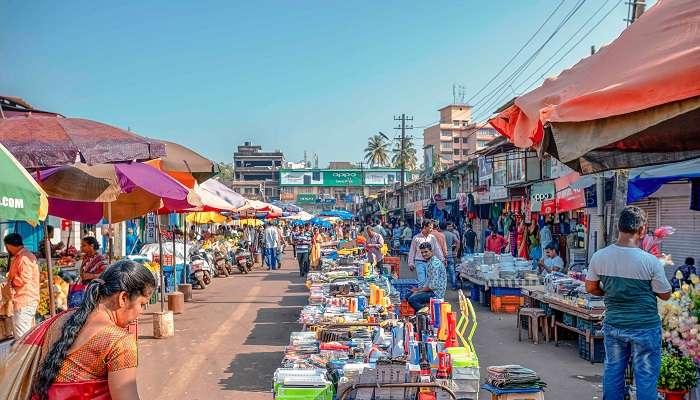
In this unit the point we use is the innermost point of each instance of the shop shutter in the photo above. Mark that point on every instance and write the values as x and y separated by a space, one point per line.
651 208
676 212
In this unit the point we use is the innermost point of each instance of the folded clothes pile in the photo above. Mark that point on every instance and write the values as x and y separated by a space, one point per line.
513 377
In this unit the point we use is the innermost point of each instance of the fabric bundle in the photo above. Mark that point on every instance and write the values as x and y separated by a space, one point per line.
513 377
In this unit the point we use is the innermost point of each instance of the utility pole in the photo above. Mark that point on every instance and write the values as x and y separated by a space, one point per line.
402 159
635 10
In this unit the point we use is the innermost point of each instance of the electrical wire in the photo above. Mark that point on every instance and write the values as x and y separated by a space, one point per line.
486 101
538 69
517 53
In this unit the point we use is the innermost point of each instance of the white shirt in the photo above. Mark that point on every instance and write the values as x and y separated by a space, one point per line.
271 237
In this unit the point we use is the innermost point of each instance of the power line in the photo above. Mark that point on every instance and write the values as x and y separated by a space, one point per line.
575 44
517 53
517 87
488 99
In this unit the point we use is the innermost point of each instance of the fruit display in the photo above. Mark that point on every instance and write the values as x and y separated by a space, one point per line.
60 290
152 266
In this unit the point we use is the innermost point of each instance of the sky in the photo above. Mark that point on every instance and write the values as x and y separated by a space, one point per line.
320 76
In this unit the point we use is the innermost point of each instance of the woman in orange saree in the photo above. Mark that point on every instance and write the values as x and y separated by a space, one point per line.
85 353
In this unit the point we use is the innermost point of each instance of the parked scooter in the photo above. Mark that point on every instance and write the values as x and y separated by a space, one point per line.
244 259
200 269
221 261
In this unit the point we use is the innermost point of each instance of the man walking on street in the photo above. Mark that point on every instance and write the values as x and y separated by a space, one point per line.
416 262
452 242
375 242
440 237
435 282
406 235
271 242
23 276
302 242
631 280
469 240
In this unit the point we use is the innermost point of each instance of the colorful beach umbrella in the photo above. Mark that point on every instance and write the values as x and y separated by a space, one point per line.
21 198
184 164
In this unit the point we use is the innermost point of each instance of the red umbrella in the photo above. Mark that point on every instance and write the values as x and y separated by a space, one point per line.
41 141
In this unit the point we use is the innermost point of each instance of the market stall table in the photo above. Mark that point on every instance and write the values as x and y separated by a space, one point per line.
486 285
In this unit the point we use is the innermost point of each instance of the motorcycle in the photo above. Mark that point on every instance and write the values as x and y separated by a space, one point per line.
244 259
200 269
221 261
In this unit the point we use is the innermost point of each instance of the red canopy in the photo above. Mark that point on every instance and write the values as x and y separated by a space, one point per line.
640 95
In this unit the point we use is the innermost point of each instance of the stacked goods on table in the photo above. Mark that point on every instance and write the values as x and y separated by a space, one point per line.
489 266
513 377
60 290
352 344
571 289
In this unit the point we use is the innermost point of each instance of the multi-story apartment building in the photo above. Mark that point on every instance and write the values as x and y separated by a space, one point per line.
456 136
257 172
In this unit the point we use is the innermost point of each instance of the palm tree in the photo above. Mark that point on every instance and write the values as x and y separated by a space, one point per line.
408 157
377 151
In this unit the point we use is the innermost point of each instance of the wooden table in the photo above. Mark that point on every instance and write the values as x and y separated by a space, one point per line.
537 295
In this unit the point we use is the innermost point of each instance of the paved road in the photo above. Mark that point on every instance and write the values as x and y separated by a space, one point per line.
229 341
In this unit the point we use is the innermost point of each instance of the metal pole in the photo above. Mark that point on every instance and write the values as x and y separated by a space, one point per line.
403 163
162 273
175 282
186 272
600 199
111 232
49 270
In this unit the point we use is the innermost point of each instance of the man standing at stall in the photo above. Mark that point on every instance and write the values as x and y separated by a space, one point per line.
452 242
23 276
435 283
271 242
631 280
469 240
495 243
416 261
375 242
302 242
406 235
551 262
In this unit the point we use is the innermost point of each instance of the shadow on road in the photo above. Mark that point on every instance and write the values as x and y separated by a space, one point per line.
252 372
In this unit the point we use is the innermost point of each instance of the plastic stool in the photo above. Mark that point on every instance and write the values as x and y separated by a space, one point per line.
536 318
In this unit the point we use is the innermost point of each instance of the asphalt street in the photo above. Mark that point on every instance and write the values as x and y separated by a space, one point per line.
231 338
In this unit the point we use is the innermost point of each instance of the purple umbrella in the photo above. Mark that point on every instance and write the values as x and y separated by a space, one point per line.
116 192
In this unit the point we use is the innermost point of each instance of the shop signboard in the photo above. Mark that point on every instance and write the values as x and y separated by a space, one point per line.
306 198
485 168
498 193
292 177
540 192
150 228
548 207
326 201
381 178
342 178
348 198
287 196
570 199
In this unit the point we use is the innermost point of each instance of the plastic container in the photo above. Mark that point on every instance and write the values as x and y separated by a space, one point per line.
499 302
170 285
504 291
474 295
584 350
404 286
569 320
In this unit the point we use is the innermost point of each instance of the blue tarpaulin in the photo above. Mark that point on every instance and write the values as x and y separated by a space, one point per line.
644 182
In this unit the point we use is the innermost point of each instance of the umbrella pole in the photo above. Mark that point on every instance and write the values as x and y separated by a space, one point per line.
111 231
162 273
49 270
185 268
175 282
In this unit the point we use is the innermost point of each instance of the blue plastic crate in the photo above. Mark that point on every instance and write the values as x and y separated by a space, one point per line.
584 349
505 291
589 326
474 295
404 286
569 320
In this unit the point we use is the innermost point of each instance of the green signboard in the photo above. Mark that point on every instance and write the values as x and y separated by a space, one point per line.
306 198
342 178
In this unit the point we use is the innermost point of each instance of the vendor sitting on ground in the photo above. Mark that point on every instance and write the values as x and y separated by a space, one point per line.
551 262
435 283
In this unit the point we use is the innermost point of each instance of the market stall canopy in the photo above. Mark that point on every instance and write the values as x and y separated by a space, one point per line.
85 193
184 164
11 106
344 214
224 192
22 198
209 217
210 202
635 102
644 182
301 216
49 141
259 206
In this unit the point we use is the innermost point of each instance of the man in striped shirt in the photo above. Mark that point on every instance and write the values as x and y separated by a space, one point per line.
302 242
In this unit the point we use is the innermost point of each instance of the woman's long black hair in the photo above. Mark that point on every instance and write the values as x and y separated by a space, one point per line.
92 242
123 276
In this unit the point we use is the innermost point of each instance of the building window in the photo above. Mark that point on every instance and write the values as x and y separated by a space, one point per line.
316 176
480 144
446 157
465 152
446 133
456 152
455 140
465 139
446 146
456 122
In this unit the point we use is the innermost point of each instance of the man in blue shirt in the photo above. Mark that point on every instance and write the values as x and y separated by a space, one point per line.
631 280
435 283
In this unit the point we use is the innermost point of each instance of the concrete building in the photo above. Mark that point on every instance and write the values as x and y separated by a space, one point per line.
456 136
257 172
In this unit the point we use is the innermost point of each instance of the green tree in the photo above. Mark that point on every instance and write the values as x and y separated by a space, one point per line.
408 156
225 173
377 151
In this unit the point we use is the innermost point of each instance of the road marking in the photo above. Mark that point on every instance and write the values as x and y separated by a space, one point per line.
193 365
